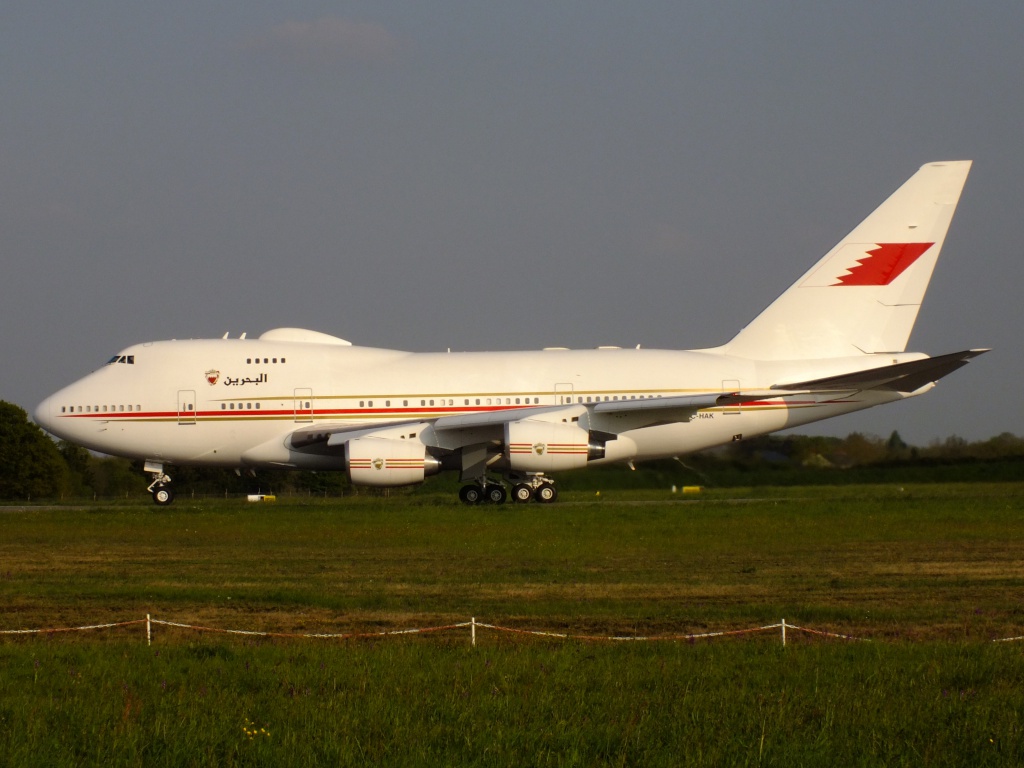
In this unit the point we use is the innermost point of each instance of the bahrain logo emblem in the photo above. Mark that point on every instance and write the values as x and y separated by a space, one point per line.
212 377
378 463
539 448
867 264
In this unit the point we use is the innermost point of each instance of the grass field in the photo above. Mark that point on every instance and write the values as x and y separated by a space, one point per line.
928 574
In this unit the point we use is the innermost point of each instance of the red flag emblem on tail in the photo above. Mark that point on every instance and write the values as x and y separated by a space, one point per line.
883 264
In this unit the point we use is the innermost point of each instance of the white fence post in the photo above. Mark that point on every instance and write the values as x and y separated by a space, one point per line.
783 633
149 631
472 629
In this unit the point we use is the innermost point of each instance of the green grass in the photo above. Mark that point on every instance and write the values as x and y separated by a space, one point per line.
929 573
414 703
928 561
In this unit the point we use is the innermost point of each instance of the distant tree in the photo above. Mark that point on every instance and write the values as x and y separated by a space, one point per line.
953 447
114 476
1000 446
895 447
30 464
857 449
78 461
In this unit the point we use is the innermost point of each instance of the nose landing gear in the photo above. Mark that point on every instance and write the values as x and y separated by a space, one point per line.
161 489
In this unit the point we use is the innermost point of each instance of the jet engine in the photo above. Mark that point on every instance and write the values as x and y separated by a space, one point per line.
384 461
545 446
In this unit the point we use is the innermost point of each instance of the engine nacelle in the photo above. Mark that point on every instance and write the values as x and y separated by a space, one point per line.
546 446
384 461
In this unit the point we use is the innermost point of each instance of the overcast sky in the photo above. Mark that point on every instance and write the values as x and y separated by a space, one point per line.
496 175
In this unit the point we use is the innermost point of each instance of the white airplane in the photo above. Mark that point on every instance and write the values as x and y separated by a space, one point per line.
833 343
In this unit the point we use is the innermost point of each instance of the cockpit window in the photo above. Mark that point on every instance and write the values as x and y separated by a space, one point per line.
126 359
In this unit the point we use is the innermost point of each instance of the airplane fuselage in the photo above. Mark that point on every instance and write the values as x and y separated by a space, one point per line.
211 401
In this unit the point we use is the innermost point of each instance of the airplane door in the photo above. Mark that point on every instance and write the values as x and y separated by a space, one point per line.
186 406
563 394
303 405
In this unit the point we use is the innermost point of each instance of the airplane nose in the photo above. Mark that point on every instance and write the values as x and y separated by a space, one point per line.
42 414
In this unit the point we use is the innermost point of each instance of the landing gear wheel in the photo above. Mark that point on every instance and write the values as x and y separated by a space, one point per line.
495 494
547 493
163 495
522 493
471 494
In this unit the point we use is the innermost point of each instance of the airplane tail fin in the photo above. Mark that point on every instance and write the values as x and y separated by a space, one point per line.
864 295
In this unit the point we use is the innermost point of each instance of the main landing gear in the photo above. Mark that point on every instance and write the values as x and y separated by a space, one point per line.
537 488
161 489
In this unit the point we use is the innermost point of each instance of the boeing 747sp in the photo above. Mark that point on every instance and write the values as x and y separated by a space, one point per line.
833 343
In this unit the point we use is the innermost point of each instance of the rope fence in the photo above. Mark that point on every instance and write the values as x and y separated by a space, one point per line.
473 625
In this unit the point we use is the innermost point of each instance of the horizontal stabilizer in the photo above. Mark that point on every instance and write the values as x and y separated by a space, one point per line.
902 377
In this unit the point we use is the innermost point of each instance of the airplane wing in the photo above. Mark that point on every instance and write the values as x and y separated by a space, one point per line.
616 416
902 377
452 431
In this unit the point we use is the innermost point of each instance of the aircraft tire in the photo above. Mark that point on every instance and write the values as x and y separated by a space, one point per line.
547 493
496 494
522 493
471 494
163 495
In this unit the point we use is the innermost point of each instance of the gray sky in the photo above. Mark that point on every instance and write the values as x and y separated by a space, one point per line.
495 176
